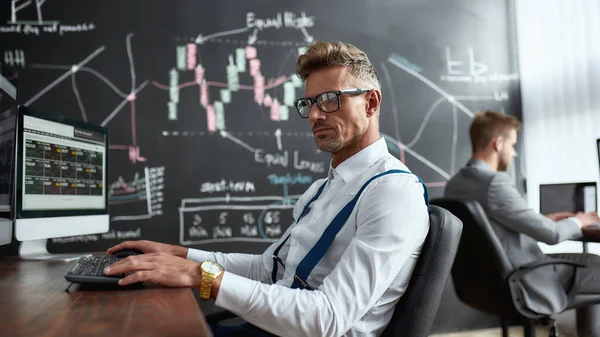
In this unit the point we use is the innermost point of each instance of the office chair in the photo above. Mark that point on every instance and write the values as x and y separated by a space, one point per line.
485 279
415 311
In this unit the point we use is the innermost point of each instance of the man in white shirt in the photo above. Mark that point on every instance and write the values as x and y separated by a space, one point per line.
345 262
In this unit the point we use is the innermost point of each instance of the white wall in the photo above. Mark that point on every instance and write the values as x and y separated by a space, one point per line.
559 60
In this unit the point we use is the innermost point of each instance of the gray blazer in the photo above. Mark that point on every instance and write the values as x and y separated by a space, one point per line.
518 228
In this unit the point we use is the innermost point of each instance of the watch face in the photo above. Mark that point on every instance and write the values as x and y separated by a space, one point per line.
211 267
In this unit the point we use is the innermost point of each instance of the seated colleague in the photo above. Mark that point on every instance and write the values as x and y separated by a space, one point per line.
519 228
353 289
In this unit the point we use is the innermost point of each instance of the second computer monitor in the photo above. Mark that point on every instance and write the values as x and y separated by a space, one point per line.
568 197
8 124
61 180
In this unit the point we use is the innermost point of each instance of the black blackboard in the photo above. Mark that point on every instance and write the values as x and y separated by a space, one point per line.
195 158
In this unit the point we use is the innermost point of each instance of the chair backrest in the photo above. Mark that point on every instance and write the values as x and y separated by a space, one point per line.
415 311
481 266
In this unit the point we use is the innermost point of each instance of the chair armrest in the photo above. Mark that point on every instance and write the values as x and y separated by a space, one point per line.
220 316
518 274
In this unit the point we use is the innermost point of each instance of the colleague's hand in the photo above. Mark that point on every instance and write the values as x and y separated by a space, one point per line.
560 215
159 268
149 247
588 219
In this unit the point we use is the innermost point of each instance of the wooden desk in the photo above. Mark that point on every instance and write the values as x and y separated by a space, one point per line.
33 302
591 235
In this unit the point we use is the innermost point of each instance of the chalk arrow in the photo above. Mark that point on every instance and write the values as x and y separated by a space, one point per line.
307 37
252 37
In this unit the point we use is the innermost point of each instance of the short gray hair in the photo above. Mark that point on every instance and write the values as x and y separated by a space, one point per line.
322 54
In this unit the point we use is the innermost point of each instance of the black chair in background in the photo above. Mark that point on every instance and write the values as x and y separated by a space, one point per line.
415 311
485 279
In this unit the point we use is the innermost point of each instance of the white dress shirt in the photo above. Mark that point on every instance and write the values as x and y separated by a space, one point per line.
362 275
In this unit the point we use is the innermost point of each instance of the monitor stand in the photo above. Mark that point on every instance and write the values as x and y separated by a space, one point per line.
37 250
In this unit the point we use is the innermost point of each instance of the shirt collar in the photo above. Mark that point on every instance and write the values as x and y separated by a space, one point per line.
478 163
359 162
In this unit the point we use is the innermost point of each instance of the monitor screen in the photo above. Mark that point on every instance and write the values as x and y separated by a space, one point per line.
63 166
8 120
568 197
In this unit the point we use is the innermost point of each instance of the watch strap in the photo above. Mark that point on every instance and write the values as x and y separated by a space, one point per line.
206 286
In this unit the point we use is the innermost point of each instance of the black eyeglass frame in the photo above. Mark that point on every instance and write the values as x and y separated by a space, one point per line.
338 93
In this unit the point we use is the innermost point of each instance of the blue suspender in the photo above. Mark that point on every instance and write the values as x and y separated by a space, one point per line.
276 258
317 252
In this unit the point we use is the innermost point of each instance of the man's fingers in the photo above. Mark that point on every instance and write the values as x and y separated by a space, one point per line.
122 245
139 276
143 245
114 248
131 263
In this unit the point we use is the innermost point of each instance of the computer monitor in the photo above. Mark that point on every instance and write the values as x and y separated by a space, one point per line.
8 120
61 181
568 197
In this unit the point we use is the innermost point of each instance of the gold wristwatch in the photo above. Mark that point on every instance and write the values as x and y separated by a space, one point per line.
210 271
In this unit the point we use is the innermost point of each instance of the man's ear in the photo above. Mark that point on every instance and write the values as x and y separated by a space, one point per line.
373 102
497 144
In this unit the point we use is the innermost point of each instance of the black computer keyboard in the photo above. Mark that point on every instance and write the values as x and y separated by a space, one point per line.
91 270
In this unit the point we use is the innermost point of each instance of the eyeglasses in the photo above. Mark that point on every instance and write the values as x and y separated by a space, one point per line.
328 101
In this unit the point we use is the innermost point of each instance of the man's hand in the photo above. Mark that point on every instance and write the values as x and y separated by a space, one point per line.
588 219
149 247
159 268
560 215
